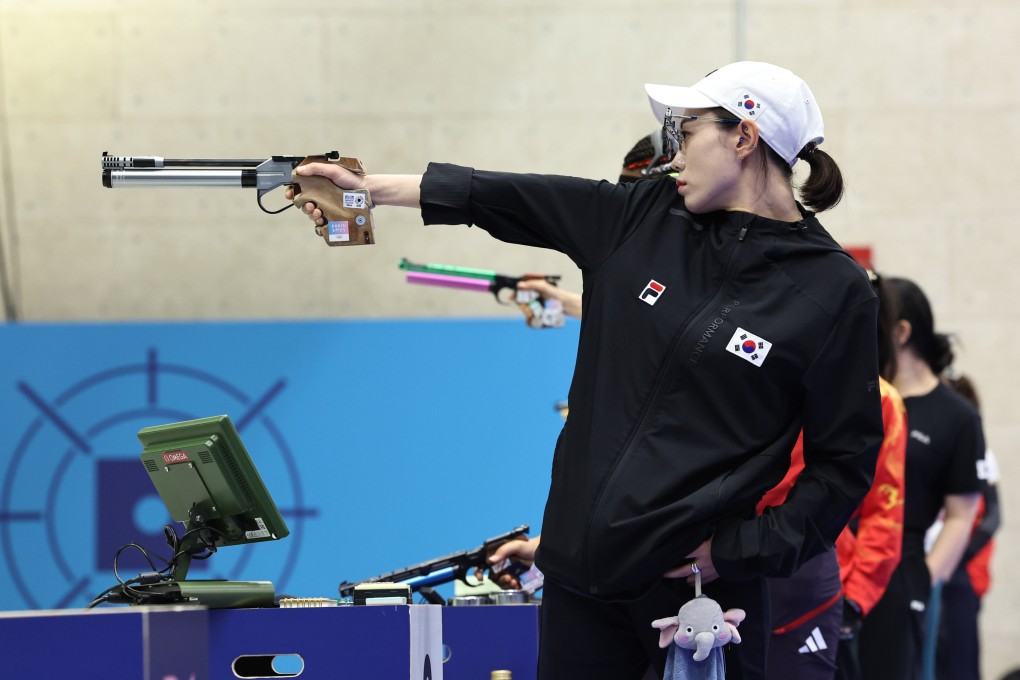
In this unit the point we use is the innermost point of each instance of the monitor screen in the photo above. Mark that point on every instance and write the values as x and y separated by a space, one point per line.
209 483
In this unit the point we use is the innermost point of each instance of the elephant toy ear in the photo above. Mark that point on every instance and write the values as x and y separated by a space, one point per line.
667 629
734 616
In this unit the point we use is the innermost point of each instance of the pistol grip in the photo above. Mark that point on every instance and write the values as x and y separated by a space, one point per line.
348 212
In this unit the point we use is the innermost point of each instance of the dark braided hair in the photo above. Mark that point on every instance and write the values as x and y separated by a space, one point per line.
641 155
648 152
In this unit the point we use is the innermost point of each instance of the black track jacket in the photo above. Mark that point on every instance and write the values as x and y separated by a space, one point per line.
707 342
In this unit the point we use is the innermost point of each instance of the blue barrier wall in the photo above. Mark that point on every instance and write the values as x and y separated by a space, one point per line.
383 443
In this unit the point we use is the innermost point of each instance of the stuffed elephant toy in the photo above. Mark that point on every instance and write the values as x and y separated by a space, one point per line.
700 625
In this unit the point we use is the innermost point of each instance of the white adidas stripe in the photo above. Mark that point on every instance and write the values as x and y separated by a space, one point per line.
814 643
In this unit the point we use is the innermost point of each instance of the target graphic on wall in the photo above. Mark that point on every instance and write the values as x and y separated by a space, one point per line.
74 490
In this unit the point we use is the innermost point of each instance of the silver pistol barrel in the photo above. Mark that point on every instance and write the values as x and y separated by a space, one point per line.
177 178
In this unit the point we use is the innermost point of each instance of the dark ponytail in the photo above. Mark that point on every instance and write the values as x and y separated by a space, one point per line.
934 348
943 355
823 188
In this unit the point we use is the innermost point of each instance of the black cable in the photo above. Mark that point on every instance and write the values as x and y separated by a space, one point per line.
125 586
136 596
96 602
197 556
171 539
105 596
197 530
147 554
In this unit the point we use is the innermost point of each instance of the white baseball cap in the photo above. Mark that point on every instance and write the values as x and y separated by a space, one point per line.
776 99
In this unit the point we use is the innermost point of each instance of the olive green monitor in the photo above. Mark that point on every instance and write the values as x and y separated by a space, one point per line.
209 483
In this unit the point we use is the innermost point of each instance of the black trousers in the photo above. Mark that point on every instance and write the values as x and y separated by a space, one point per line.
892 635
581 637
959 649
807 610
848 664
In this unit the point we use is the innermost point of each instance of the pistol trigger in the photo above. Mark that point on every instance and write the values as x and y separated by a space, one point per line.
502 300
258 199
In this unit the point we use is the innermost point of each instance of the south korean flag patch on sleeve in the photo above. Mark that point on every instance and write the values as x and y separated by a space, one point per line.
749 347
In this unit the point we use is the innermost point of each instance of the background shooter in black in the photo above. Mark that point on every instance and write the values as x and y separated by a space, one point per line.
944 445
958 655
674 434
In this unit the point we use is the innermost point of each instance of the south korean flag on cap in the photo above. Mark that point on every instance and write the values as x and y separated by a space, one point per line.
749 346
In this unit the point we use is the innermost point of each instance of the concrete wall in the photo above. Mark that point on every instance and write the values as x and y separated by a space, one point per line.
918 98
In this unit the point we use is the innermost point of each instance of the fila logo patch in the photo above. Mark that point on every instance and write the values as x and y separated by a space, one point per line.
920 436
814 643
749 346
652 292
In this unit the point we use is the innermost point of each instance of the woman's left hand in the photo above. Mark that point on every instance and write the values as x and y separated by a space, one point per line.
702 557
